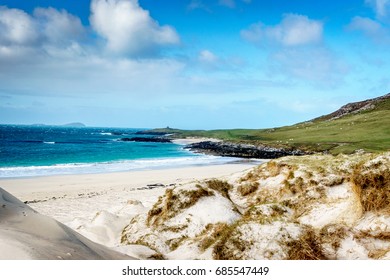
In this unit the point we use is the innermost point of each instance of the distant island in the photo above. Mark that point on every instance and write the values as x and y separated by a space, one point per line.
75 124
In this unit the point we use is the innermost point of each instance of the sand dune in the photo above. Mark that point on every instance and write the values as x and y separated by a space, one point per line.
26 234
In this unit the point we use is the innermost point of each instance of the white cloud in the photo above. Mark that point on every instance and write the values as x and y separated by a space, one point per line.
128 28
58 26
198 4
228 3
294 30
364 24
381 7
316 65
370 28
47 31
207 56
17 27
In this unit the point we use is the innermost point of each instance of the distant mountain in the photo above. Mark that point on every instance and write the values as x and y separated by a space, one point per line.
75 124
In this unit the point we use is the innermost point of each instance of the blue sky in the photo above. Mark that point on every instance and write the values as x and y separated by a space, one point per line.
191 64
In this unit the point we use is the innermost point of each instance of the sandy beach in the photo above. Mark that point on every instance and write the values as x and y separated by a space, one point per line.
114 198
38 188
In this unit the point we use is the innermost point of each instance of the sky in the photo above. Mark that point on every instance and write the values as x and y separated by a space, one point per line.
190 64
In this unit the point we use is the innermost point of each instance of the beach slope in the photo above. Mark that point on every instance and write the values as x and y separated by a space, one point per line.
26 234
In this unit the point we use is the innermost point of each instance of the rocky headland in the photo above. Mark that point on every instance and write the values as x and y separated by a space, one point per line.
228 149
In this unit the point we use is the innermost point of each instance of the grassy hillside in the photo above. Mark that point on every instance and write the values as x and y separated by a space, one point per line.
367 129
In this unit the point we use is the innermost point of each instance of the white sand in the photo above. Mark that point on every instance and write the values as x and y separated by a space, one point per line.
88 203
26 234
56 186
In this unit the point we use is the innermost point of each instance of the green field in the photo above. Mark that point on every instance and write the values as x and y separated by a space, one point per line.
368 130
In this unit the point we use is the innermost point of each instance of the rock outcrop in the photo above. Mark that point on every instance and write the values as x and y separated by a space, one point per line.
353 108
146 139
241 150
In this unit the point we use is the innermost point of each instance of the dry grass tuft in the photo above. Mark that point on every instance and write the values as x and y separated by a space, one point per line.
383 235
157 256
333 235
230 244
222 187
248 188
378 254
173 202
212 233
176 242
273 168
307 247
231 249
373 187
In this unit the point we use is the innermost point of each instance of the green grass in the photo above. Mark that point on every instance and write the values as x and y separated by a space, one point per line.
368 130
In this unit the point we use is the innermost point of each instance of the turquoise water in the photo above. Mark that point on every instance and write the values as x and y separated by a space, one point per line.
49 150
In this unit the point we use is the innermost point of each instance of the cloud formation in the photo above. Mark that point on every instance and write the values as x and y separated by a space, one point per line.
208 57
381 7
372 29
17 28
58 27
316 65
227 3
129 29
293 30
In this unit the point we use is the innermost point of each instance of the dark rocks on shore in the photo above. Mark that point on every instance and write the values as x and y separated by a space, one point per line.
146 139
147 132
241 150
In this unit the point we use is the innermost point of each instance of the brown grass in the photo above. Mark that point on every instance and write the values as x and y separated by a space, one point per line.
273 168
383 235
222 187
212 233
176 242
373 187
228 241
333 235
307 247
173 202
248 188
157 256
378 254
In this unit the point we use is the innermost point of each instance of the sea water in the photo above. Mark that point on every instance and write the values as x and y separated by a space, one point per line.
52 150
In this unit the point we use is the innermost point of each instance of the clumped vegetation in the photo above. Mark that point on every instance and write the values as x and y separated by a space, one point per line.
248 188
211 234
307 247
283 211
229 245
222 187
333 235
174 201
372 183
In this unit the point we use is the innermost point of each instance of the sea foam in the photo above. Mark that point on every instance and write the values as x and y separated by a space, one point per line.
112 166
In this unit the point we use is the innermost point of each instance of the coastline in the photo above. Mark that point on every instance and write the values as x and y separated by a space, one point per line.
55 187
99 206
186 159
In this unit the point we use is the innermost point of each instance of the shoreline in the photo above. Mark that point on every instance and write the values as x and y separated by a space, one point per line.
23 187
100 206
120 165
219 160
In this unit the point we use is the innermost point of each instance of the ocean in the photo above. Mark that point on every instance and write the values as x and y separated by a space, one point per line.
55 150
